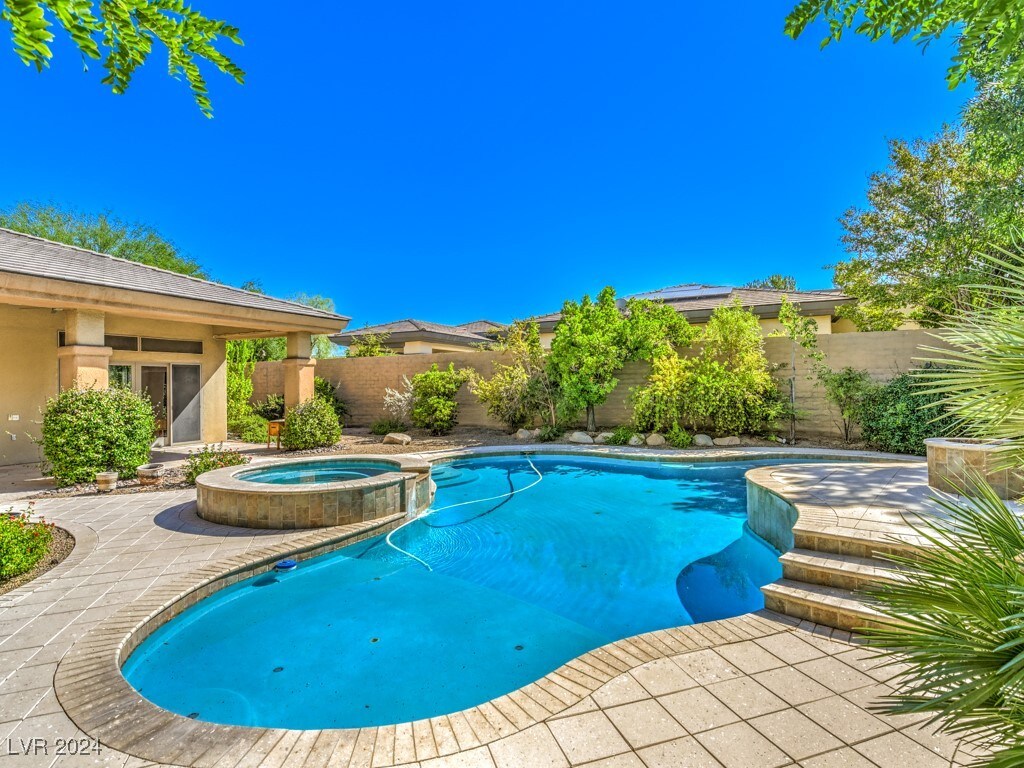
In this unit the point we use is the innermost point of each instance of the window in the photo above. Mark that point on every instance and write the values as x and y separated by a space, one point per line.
182 346
120 376
123 343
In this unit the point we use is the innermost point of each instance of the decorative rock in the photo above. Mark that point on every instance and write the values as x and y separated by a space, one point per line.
704 440
397 438
106 481
636 440
603 438
654 440
732 440
535 433
150 474
581 437
524 434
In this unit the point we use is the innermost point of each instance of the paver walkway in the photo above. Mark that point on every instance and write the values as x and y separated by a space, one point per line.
792 695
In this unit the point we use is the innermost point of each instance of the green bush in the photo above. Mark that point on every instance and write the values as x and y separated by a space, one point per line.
211 457
326 391
86 431
249 428
22 543
386 426
847 389
898 416
726 388
433 398
678 437
312 424
270 409
549 433
621 435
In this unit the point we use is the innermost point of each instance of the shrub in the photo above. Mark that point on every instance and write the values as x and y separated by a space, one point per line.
678 437
549 433
898 416
726 388
326 391
249 428
386 426
86 431
211 457
22 543
312 424
433 398
847 389
398 402
621 435
520 390
270 409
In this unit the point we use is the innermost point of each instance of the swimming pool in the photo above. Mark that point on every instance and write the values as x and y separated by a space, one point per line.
319 471
525 563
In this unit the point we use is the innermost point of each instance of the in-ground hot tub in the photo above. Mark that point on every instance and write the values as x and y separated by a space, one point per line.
314 493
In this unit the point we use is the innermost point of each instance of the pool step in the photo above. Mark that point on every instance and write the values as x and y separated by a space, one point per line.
831 606
853 542
833 570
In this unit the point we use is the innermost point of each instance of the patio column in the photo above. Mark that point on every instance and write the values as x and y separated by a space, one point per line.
299 370
84 358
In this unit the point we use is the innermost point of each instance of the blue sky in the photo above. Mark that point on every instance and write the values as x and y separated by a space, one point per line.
460 160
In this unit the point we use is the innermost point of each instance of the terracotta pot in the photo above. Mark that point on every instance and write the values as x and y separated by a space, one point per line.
106 481
150 474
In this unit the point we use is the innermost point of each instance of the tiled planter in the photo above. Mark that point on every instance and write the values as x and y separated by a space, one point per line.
224 497
953 464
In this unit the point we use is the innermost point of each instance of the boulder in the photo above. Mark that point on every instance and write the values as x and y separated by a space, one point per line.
581 438
524 434
654 440
731 440
703 440
535 433
397 438
636 440
603 438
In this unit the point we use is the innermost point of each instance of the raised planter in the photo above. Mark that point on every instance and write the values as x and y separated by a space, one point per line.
954 463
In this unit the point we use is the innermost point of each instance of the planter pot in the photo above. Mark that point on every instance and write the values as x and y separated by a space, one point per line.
150 474
955 463
106 481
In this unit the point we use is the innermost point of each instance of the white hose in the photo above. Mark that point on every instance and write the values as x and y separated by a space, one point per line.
387 539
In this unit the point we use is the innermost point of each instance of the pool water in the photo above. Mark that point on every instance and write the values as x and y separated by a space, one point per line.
585 552
321 471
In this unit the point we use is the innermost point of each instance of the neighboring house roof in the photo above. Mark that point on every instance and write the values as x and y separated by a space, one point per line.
401 331
36 257
482 326
696 301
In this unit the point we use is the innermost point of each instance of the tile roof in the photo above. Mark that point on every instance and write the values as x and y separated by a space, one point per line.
412 327
37 257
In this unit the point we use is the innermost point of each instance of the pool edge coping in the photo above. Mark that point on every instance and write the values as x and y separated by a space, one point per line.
94 693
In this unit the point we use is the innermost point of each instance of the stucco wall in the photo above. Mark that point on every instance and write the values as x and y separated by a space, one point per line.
28 374
361 381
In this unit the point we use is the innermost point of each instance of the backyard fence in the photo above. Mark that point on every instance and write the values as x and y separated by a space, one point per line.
361 381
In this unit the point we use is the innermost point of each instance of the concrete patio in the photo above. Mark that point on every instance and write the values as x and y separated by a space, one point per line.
759 690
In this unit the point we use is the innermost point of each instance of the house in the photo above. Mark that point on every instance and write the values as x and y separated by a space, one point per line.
73 317
694 301
418 337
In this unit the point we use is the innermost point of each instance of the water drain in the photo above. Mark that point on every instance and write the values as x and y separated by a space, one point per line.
279 669
519 647
193 715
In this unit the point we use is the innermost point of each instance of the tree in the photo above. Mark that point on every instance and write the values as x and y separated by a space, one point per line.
370 345
276 348
989 34
774 282
931 216
650 329
122 34
586 353
103 232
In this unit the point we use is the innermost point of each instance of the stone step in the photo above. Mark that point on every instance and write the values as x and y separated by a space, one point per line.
854 542
831 606
833 570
